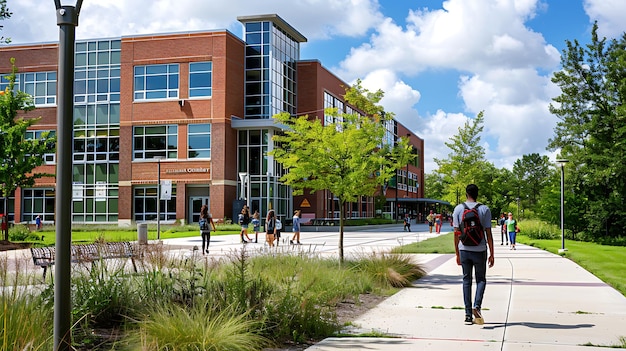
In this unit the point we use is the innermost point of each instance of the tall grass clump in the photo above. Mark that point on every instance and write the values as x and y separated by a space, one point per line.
178 328
25 321
535 229
389 270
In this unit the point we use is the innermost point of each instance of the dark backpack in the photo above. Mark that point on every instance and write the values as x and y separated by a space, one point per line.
472 231
204 224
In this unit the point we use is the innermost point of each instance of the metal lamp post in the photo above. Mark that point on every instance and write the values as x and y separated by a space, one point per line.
67 20
562 163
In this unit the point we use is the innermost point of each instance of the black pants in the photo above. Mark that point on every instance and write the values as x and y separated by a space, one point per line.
206 239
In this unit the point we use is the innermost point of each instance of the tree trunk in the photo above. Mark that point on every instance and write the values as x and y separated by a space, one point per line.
341 220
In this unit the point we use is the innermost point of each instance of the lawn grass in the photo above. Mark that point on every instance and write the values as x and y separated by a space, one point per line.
82 235
605 262
441 244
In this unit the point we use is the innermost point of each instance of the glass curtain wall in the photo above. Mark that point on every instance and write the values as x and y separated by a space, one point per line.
96 131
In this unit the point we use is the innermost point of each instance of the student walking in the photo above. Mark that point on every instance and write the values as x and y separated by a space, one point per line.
256 225
205 222
512 229
296 228
473 259
407 222
270 228
503 234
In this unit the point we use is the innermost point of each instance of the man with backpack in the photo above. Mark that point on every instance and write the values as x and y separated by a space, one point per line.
472 237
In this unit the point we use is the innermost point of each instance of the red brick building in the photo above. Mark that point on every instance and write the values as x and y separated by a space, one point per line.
192 110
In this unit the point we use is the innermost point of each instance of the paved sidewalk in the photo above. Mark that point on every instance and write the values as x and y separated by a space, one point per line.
534 300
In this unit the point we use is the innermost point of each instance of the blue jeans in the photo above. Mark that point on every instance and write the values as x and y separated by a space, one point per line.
473 262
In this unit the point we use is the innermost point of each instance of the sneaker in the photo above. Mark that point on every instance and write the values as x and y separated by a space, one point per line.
291 242
479 317
468 320
207 251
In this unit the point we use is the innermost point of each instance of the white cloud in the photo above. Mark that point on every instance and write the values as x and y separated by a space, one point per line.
400 98
34 21
498 59
610 15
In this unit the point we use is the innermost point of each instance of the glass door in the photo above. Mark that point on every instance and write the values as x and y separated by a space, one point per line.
195 204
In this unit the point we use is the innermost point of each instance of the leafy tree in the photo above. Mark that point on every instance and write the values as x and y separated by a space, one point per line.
532 174
591 132
466 162
4 14
19 156
347 157
433 186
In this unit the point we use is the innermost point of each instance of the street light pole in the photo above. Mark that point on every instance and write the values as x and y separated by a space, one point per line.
67 20
562 163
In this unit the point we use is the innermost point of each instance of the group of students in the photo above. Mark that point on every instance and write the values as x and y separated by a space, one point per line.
273 227
436 220
508 230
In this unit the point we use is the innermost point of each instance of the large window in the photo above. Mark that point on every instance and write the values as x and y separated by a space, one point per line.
199 141
145 200
151 141
38 202
49 158
200 79
156 82
42 86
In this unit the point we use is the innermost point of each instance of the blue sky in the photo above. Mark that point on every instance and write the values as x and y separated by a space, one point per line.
439 62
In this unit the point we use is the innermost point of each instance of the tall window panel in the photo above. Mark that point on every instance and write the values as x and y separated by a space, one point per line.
199 141
200 79
96 131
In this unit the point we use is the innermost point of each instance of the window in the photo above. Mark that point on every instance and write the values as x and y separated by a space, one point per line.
42 86
145 201
49 158
38 202
200 79
199 141
156 82
151 141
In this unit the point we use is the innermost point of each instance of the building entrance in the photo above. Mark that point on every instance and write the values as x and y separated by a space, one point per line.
195 204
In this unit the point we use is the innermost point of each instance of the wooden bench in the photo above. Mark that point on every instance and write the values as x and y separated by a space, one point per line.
44 257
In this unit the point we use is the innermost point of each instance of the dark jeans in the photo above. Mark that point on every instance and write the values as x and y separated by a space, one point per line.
473 262
206 240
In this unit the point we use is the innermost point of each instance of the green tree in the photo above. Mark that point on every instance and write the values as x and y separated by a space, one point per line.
466 162
591 132
4 14
347 157
532 174
433 186
19 155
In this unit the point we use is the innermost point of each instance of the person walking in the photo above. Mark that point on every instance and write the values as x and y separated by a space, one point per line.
473 259
256 225
512 229
205 222
503 235
407 222
431 221
296 228
270 228
244 220
38 225
438 223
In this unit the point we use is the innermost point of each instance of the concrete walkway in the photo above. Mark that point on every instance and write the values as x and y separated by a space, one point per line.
534 300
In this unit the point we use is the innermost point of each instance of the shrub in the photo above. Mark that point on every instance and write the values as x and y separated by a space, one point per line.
21 233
